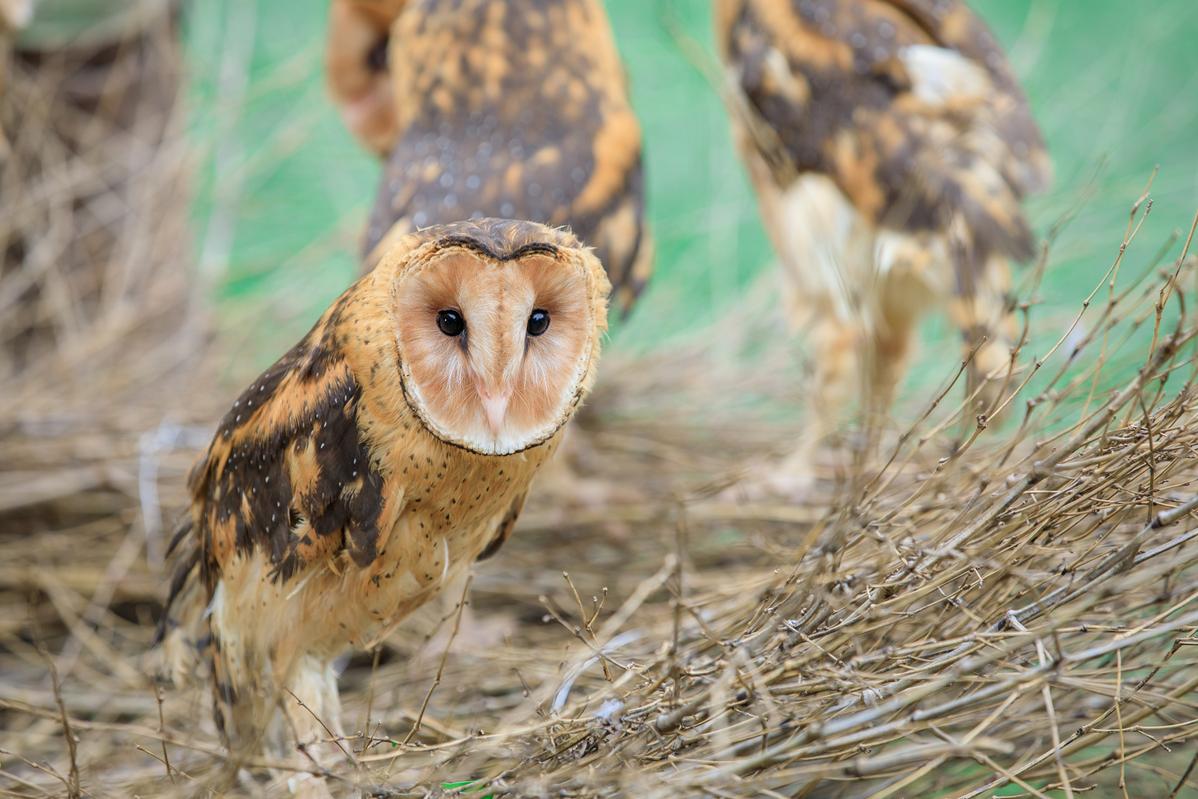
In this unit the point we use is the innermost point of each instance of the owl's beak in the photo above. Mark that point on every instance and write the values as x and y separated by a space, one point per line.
495 406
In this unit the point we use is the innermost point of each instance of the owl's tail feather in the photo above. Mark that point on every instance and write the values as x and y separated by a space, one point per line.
183 640
194 649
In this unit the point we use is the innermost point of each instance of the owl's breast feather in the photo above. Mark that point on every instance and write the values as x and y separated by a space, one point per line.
453 505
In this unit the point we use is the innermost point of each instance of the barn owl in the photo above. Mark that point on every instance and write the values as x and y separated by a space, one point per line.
507 108
386 452
890 147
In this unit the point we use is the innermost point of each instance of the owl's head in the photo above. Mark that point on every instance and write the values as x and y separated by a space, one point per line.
497 325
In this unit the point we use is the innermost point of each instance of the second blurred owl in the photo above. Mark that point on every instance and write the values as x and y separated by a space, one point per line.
507 108
890 147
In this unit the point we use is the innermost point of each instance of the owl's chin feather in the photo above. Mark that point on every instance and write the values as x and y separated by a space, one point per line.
471 430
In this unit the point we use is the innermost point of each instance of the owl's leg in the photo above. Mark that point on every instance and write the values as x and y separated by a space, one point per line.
987 325
247 713
312 707
836 345
901 302
271 702
823 245
243 687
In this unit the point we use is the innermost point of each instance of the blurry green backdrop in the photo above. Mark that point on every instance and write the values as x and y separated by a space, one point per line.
283 191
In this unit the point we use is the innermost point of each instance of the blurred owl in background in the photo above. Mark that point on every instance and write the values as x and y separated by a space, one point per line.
890 147
380 457
515 109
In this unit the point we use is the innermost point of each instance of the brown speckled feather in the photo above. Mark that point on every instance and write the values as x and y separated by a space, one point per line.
324 510
826 79
289 471
516 109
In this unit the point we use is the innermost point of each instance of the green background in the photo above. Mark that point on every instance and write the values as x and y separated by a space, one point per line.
284 190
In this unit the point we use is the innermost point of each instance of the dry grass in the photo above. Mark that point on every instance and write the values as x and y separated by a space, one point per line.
97 323
961 609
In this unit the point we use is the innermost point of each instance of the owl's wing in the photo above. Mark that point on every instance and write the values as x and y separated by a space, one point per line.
289 472
504 530
908 105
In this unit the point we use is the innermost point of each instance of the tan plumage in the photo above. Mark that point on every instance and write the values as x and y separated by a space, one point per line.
374 461
508 108
15 14
356 68
890 147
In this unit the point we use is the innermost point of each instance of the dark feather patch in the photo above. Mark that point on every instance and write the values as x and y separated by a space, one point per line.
184 572
251 488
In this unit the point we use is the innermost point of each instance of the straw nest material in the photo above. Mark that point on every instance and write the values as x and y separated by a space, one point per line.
97 321
961 607
99 328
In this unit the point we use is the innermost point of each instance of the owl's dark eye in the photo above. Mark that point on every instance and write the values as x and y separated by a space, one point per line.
538 322
451 322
